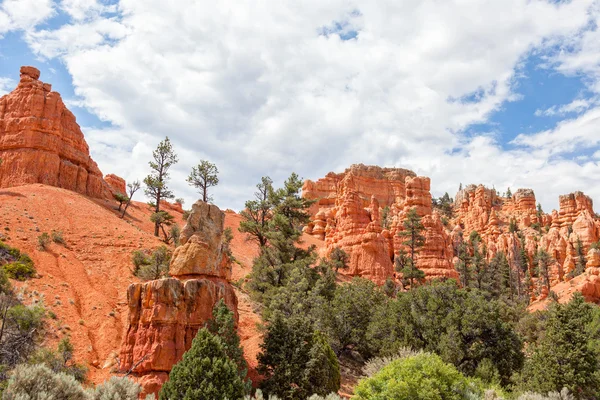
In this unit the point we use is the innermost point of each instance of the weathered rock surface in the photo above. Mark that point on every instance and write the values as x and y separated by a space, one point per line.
201 250
40 141
349 210
164 317
116 183
166 314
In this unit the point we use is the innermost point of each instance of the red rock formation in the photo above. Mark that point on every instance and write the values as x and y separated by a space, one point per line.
348 212
40 141
165 315
116 183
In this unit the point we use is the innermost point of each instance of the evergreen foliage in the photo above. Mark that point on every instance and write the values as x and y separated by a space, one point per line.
296 361
463 327
222 324
205 372
203 177
156 183
565 357
414 240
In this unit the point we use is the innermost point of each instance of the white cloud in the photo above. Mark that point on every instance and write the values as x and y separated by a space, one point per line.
576 106
6 85
258 88
23 14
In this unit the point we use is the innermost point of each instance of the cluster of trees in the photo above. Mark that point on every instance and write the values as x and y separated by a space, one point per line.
478 329
156 187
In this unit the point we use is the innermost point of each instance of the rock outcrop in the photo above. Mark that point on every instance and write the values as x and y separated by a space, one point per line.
361 211
116 183
166 314
40 141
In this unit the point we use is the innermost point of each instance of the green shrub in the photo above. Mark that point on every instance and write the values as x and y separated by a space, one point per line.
117 388
15 264
43 241
296 361
5 287
156 266
424 376
57 237
19 270
38 382
205 372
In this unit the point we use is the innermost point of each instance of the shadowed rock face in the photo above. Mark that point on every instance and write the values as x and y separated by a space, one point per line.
166 314
40 141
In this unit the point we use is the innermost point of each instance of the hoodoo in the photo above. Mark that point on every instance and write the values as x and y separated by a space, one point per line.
166 314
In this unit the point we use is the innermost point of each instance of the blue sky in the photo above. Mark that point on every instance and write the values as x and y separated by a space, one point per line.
464 92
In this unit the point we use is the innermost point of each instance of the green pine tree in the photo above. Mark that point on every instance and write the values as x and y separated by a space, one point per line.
414 240
205 372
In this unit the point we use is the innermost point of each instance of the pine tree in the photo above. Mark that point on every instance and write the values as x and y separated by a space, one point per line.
581 261
543 262
156 183
223 325
295 361
258 212
204 176
414 240
564 357
463 264
205 372
339 259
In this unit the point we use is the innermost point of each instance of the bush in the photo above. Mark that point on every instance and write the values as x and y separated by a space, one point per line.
20 271
374 365
43 241
205 372
38 382
154 267
5 287
424 376
563 395
57 237
15 264
59 361
117 389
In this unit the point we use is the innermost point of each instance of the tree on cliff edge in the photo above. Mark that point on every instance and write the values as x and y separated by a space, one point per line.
203 176
156 182
413 229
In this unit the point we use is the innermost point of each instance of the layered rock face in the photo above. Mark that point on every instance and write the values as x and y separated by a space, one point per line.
349 210
362 211
40 141
166 314
480 209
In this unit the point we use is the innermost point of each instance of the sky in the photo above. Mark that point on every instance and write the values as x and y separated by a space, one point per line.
503 93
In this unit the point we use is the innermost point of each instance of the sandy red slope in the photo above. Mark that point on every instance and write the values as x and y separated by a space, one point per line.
84 282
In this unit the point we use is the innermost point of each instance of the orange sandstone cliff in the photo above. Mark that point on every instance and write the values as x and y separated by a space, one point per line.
348 213
40 141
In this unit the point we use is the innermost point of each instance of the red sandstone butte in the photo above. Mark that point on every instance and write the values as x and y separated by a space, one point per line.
40 141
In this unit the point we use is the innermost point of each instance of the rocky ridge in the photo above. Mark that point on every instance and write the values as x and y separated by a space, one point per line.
362 211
